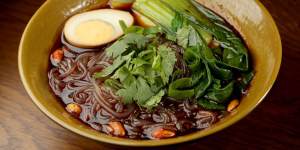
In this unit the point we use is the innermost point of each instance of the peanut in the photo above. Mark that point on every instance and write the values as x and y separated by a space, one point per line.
163 133
118 129
232 105
74 109
57 55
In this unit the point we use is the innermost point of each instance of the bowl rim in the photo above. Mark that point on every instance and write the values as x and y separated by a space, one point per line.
142 143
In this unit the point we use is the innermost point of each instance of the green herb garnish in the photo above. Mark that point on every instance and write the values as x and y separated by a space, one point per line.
144 71
142 67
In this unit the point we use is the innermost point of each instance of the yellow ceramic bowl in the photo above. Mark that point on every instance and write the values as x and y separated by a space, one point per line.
249 17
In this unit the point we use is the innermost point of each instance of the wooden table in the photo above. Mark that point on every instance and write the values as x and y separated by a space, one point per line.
275 124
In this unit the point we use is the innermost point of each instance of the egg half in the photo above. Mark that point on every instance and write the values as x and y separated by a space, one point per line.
97 27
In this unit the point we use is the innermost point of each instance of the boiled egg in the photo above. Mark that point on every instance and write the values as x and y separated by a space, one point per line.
96 28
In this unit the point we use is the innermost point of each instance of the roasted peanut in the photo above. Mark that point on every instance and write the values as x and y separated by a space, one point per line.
162 133
118 129
74 109
232 105
58 55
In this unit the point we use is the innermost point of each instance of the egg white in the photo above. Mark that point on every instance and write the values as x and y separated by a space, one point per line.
108 18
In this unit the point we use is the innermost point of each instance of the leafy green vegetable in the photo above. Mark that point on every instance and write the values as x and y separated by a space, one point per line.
221 73
128 93
181 89
134 89
244 81
208 13
207 104
154 100
142 66
194 37
144 91
184 7
113 84
204 83
186 11
156 62
193 31
187 8
123 74
193 58
144 69
219 94
228 40
117 63
182 36
247 77
129 84
159 12
153 30
122 45
177 22
168 59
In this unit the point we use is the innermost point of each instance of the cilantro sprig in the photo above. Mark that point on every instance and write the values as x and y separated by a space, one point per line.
142 67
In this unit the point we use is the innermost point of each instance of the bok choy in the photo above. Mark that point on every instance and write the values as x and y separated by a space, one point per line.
195 28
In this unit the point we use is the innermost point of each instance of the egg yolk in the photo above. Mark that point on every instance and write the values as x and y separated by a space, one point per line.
94 32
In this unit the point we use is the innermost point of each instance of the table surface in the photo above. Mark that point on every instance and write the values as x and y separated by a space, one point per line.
272 125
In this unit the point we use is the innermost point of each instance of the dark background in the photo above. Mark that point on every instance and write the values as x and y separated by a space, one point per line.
274 124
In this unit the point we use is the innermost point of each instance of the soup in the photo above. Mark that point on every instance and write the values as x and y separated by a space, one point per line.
149 69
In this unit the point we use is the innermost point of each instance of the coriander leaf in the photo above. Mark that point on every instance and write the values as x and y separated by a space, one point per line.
150 74
156 84
128 93
168 61
171 37
156 62
142 67
194 37
129 84
122 74
138 62
143 92
122 45
109 70
116 64
113 84
138 71
146 55
154 100
182 36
